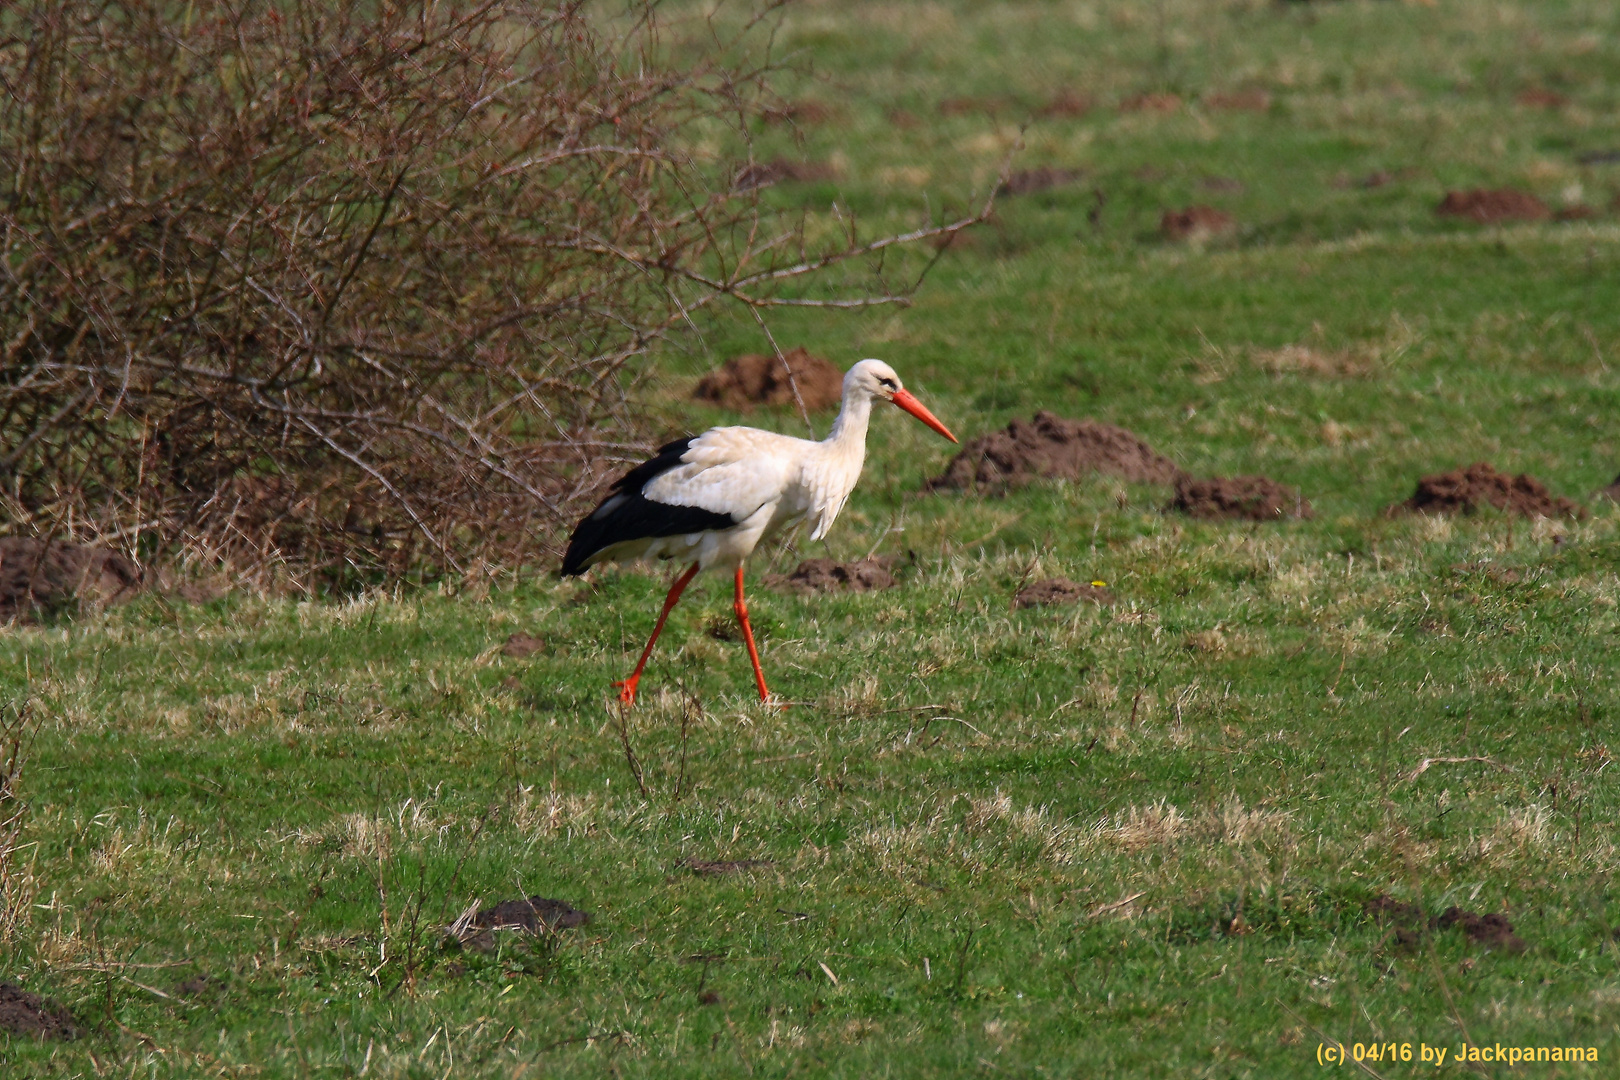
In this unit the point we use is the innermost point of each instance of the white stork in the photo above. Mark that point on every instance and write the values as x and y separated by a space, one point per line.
713 497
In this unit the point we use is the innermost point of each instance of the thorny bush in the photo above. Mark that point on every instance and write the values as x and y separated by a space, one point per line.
339 288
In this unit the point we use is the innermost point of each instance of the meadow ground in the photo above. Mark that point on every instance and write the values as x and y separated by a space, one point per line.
1143 840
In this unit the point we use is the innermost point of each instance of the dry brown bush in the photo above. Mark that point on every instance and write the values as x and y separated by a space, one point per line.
347 287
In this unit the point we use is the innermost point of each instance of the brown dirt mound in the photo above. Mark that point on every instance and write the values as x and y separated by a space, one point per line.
1059 590
1486 206
1464 491
1066 103
828 575
1050 446
1161 103
1240 101
537 915
1385 908
520 645
750 380
1493 930
1251 498
1195 223
1613 490
36 576
1407 920
977 106
1029 181
22 1013
1539 97
532 914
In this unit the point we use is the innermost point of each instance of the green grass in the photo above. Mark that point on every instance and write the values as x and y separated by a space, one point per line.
1054 842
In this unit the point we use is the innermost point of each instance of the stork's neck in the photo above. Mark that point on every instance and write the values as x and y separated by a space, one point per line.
848 435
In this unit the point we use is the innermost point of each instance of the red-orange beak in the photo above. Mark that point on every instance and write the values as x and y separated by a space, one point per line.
916 408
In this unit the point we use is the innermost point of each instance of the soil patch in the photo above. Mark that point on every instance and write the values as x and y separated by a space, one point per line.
1250 498
22 1013
1491 930
1406 919
1160 103
1239 101
1612 491
1195 223
707 868
976 106
1385 908
1053 591
1029 181
1465 491
520 645
39 576
1066 104
1578 212
764 173
1491 205
1539 97
828 575
752 379
536 915
1050 446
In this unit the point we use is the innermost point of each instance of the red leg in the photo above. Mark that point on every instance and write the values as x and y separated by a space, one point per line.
627 687
741 608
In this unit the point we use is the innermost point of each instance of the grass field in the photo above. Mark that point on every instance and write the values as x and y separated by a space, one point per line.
1128 841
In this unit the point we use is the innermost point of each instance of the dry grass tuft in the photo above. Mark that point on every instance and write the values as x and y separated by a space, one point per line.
1141 828
18 881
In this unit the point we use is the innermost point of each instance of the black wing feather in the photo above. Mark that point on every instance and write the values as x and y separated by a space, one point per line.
626 514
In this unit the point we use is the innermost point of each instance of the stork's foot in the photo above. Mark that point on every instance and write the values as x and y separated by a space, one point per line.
627 690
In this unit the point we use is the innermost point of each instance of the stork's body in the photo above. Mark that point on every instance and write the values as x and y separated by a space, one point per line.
712 498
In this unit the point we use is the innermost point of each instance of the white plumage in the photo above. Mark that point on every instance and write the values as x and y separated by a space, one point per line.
711 499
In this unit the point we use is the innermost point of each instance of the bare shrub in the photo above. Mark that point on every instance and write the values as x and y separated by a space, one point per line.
345 286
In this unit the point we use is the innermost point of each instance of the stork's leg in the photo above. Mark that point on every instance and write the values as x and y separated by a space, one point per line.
741 608
627 687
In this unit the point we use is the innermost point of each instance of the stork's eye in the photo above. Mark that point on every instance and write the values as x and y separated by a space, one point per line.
890 383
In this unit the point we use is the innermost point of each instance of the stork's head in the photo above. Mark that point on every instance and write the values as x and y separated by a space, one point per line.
876 379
